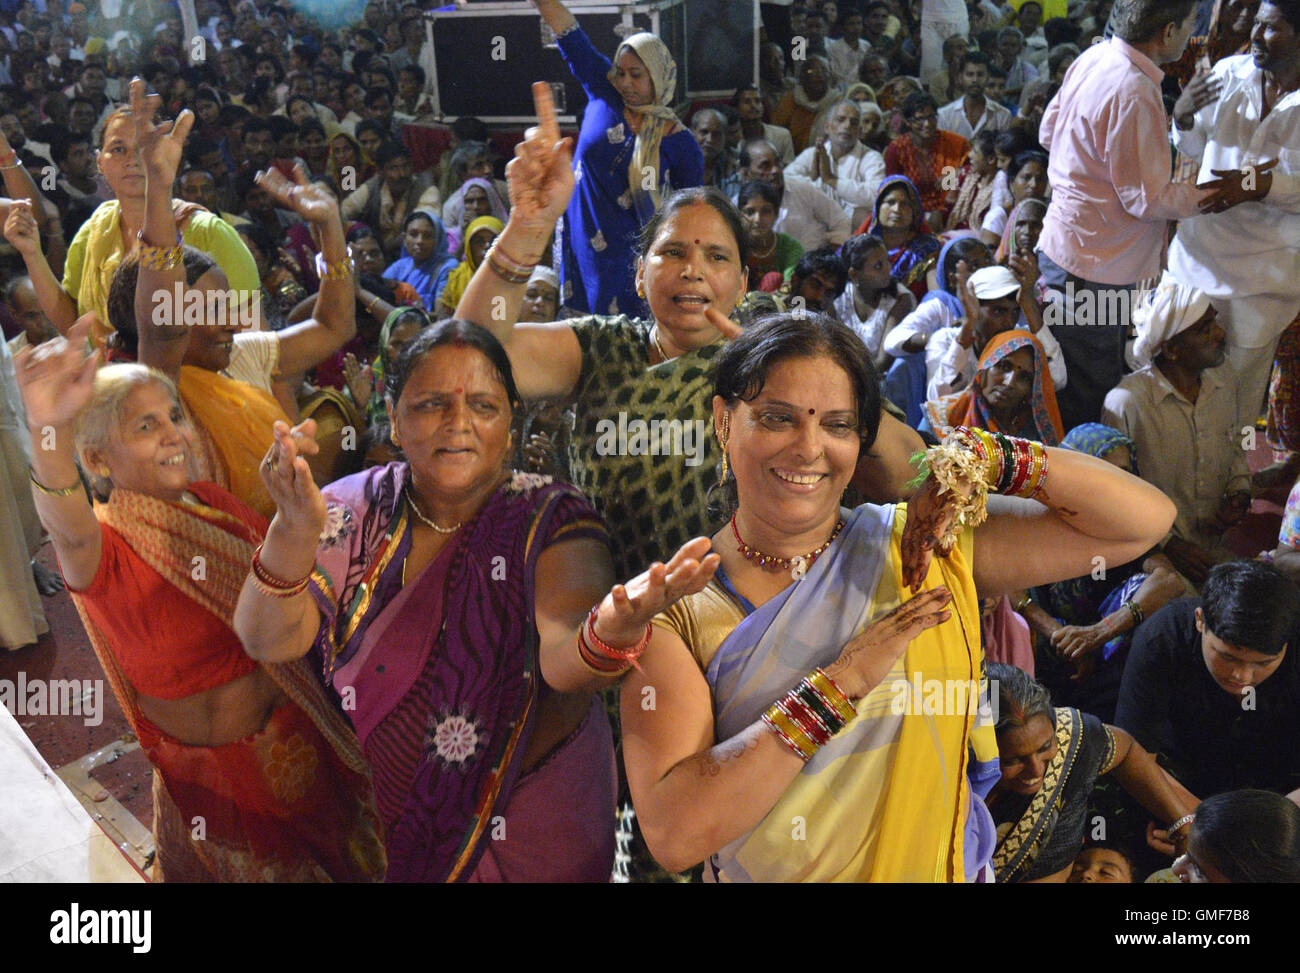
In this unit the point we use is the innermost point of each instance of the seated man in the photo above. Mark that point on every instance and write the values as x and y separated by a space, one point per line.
1211 687
806 213
841 166
1179 409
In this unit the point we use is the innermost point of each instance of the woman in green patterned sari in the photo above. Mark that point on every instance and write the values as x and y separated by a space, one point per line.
643 448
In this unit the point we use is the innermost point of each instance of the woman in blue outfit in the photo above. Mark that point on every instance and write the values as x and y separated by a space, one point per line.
631 151
425 263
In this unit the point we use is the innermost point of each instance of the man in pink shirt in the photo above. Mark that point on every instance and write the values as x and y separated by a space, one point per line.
1110 170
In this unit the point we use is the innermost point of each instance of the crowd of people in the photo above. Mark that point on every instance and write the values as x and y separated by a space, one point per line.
508 479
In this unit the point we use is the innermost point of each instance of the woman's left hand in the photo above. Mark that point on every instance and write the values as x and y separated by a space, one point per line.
159 144
627 609
312 202
930 513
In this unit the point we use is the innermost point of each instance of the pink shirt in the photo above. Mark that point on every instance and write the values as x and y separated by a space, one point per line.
1110 168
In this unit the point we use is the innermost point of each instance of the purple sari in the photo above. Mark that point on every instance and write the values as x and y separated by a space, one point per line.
438 672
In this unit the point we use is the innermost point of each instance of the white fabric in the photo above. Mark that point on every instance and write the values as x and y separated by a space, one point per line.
22 618
928 318
781 140
1251 253
858 174
952 118
936 30
810 216
1163 313
255 358
871 329
845 60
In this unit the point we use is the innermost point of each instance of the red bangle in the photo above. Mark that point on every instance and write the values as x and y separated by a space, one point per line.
266 579
625 656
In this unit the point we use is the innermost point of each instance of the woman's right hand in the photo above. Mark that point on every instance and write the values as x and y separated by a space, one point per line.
56 378
298 501
867 659
540 176
20 228
360 379
627 609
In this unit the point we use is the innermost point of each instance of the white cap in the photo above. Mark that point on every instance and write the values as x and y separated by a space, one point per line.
992 282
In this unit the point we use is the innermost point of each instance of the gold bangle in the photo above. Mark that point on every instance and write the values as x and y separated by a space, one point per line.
48 491
340 269
160 258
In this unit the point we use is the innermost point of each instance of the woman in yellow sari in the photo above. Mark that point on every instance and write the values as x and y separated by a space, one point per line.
478 237
802 718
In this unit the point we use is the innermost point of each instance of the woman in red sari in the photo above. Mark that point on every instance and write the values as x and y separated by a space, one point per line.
255 753
926 155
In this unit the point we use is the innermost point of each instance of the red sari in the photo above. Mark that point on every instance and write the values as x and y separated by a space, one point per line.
946 158
292 802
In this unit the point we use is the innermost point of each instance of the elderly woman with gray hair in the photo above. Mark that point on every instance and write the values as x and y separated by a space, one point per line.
1051 758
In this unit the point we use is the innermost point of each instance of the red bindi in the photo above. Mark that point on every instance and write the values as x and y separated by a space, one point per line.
697 243
459 390
812 412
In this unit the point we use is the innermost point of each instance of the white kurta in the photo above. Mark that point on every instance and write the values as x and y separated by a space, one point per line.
1248 258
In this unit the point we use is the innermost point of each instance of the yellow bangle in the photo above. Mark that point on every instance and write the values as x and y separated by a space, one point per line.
160 258
49 492
334 269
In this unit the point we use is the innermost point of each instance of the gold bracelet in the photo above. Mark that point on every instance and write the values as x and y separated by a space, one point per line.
340 269
65 492
160 258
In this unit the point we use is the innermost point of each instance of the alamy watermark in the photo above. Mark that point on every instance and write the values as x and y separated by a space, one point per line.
54 697
187 306
654 437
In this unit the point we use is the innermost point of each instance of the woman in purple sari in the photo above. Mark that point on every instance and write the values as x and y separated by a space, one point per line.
442 602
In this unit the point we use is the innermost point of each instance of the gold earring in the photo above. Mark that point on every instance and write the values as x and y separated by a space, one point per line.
722 441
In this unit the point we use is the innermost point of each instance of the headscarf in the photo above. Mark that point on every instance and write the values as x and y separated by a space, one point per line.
909 260
968 408
456 237
1164 313
464 273
857 86
1097 440
1009 231
656 118
333 168
381 366
942 294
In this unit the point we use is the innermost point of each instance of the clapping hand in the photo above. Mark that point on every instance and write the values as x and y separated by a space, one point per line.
360 379
314 203
627 609
540 176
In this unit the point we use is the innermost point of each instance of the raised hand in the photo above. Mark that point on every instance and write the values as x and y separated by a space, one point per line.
360 379
930 514
20 228
867 659
159 145
288 479
728 328
313 203
540 176
627 609
56 378
1203 89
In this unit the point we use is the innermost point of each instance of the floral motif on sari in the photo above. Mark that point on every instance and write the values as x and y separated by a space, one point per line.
441 668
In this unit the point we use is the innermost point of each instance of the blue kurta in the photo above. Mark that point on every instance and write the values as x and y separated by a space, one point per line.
599 229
